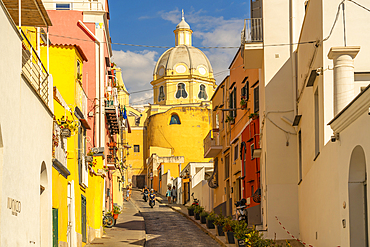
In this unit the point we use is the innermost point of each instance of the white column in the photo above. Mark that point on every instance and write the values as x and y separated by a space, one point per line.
344 78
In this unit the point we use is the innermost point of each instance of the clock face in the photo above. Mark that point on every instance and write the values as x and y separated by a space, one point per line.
202 70
161 72
180 69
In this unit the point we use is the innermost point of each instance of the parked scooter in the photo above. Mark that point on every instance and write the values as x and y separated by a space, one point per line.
151 200
195 200
241 210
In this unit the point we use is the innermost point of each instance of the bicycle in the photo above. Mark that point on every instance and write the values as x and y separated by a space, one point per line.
108 220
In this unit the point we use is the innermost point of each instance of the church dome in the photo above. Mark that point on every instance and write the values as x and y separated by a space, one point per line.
183 24
175 58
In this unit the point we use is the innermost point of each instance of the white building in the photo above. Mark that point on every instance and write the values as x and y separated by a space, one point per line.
25 131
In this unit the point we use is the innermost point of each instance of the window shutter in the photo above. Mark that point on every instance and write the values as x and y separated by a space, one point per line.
247 90
256 99
231 103
234 93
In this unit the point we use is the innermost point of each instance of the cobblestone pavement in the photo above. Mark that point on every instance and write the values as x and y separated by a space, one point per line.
165 227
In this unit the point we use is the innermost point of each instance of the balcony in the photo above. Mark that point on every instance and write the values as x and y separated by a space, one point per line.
212 145
33 70
111 117
59 154
252 40
78 5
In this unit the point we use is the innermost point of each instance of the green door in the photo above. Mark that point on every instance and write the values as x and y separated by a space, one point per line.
55 227
83 218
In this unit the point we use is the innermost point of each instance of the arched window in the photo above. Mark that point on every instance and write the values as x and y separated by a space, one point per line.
181 92
161 94
202 92
175 119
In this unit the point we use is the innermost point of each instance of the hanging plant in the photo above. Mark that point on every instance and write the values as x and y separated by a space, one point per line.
66 124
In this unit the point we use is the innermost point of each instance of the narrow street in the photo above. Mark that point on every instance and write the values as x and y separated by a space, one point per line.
165 227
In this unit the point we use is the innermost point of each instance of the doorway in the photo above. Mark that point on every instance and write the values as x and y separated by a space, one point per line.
357 195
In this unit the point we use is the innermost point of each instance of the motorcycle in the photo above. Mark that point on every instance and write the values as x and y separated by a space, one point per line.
241 210
145 196
151 200
108 220
195 200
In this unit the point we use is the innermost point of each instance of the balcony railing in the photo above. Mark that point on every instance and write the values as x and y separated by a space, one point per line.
79 5
34 70
212 145
253 31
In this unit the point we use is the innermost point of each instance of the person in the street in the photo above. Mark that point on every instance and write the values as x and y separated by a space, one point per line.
130 190
168 194
145 193
152 197
127 193
173 194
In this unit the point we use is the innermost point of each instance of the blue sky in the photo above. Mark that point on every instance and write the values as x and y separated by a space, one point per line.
144 22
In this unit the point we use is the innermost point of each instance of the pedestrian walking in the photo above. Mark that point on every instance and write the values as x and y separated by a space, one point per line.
127 193
173 194
130 189
168 194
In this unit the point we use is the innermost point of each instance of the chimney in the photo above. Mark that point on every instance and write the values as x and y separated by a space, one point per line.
344 75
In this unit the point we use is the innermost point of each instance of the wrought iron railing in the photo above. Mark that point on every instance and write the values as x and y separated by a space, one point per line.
60 146
34 70
253 30
211 140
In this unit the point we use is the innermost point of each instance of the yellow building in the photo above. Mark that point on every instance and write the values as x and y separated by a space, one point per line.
180 117
77 178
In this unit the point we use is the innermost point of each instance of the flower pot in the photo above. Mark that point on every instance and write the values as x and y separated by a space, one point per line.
115 216
190 212
243 106
229 237
209 224
203 219
65 132
240 242
197 216
219 231
254 117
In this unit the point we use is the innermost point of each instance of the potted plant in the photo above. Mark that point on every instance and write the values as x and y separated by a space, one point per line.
240 232
218 222
67 126
230 119
210 219
228 230
253 116
243 103
197 211
191 210
203 216
116 211
255 238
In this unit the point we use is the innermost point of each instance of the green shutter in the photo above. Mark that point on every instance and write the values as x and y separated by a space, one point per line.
55 227
83 218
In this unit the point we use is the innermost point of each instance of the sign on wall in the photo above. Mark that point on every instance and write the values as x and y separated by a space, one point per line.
14 205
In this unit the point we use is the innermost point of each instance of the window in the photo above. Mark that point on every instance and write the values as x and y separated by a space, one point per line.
217 121
202 92
256 100
175 119
181 92
245 91
252 149
232 103
78 67
317 123
136 148
63 6
161 93
300 155
236 149
227 166
252 190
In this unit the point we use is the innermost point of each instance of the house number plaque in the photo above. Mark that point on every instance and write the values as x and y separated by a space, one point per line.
14 205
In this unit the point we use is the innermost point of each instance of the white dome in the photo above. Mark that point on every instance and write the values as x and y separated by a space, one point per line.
183 24
192 57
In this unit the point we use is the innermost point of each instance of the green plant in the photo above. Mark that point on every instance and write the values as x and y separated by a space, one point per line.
228 224
229 119
211 216
253 115
192 207
116 209
241 230
243 102
79 76
255 238
219 220
64 123
198 209
203 214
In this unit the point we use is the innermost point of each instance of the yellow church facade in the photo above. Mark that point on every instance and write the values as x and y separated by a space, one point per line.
180 117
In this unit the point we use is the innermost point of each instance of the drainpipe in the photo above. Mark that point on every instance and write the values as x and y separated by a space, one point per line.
97 114
344 78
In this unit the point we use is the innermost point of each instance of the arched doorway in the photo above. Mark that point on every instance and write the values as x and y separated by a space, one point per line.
44 223
357 194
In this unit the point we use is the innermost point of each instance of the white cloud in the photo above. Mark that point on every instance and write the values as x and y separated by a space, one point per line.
137 70
173 16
